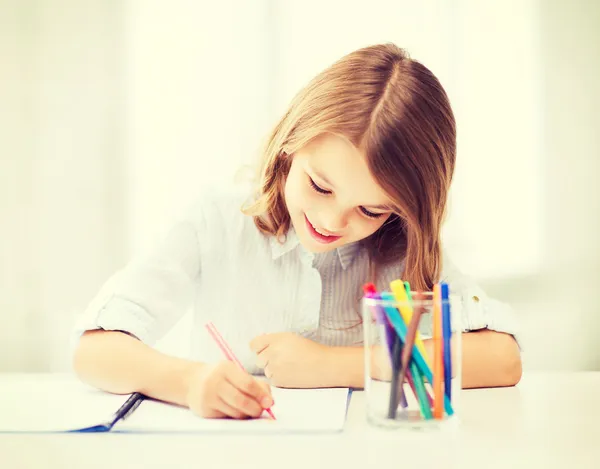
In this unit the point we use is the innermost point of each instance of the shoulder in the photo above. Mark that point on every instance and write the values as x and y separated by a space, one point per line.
452 274
217 214
219 205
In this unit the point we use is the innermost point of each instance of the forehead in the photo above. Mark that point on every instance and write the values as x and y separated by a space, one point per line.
344 167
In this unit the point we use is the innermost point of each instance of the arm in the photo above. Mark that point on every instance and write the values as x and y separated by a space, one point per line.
118 363
133 310
489 359
137 307
490 341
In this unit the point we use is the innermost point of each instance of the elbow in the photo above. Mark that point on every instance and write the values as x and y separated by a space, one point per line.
82 358
512 366
494 360
513 371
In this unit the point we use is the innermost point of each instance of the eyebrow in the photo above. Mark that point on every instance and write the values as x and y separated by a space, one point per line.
376 207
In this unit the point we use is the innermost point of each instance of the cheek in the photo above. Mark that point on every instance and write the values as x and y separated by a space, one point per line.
297 195
364 227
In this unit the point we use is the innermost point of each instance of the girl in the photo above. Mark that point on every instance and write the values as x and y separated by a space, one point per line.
354 181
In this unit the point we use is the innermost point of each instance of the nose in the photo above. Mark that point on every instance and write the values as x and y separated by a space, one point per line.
335 220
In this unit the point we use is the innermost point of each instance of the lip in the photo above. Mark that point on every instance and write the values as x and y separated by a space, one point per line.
318 236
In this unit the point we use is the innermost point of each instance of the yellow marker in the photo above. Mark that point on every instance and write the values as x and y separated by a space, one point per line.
406 311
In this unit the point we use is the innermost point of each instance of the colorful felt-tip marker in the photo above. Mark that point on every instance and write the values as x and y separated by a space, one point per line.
438 358
406 310
447 333
400 327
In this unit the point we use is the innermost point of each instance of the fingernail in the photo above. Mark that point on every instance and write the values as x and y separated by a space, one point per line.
266 402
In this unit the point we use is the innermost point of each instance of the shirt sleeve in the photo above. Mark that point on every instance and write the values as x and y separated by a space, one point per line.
152 293
478 310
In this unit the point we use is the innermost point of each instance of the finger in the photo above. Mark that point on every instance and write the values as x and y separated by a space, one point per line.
229 411
268 373
250 386
239 400
266 388
262 360
259 343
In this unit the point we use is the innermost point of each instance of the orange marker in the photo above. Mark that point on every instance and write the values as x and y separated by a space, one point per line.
438 355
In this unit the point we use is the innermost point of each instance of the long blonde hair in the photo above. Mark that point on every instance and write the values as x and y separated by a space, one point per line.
397 113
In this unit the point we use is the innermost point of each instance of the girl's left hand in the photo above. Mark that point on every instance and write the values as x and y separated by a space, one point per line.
291 361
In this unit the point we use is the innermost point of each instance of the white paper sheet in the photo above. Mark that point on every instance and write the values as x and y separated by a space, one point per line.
64 404
296 410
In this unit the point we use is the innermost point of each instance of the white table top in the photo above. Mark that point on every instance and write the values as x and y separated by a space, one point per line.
549 420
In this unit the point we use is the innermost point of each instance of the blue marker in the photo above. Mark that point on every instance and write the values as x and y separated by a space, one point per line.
447 334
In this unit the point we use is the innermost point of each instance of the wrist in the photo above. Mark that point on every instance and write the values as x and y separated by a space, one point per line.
188 378
345 366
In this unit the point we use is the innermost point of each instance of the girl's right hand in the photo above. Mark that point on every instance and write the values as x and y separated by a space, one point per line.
224 390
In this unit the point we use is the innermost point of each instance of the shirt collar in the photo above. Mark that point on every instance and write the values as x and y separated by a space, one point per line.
346 253
287 244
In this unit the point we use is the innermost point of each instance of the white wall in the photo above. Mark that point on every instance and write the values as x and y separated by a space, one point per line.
561 314
62 218
18 287
197 99
495 223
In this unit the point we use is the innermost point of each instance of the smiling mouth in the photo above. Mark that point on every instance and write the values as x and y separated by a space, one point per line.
320 235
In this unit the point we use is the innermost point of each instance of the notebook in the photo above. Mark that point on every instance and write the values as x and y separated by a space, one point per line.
38 405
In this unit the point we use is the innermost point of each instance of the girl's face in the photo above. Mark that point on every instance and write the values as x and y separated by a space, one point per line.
331 196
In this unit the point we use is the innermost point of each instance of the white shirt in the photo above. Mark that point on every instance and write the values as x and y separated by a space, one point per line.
216 262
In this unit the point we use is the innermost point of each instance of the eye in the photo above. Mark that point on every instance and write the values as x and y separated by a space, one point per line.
320 190
370 214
